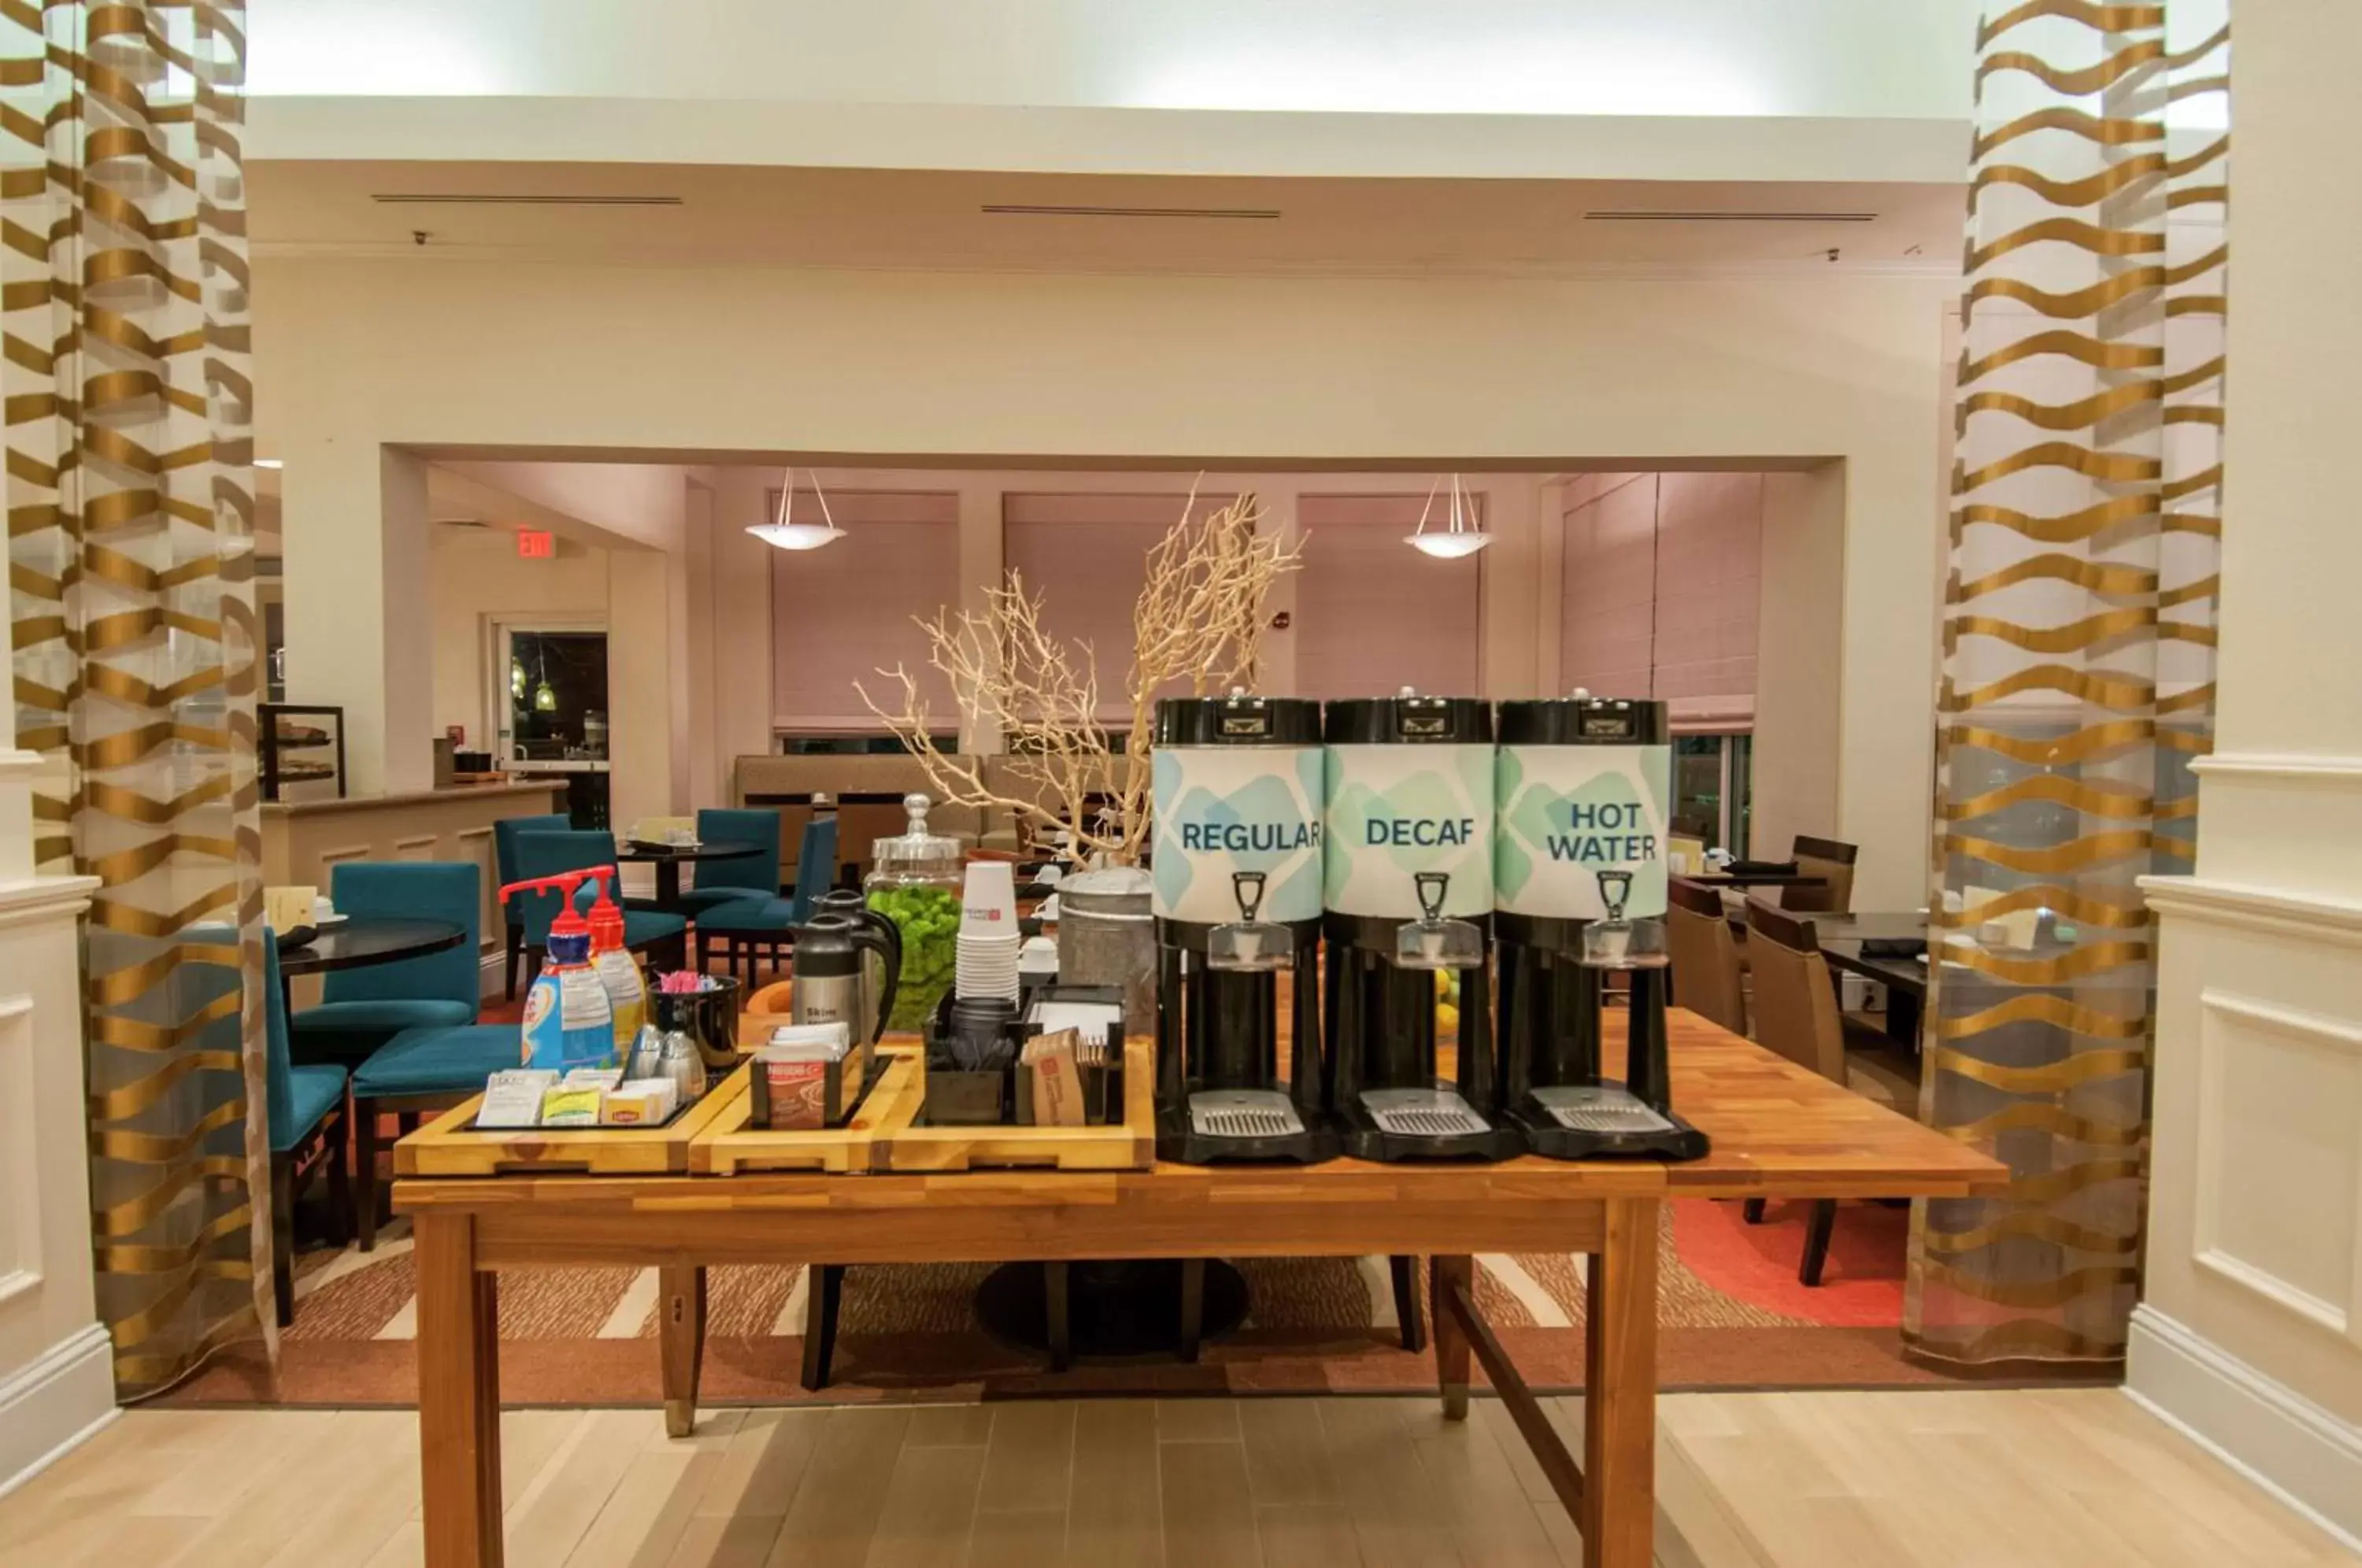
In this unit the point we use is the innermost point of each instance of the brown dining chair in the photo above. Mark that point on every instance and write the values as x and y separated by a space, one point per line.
1830 861
1705 955
1797 1015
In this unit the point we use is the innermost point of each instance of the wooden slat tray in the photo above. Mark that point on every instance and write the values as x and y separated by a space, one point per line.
1130 1145
449 1147
731 1144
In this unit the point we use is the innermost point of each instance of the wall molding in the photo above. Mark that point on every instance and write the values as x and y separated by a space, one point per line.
2251 906
2302 1454
2295 765
55 1405
44 899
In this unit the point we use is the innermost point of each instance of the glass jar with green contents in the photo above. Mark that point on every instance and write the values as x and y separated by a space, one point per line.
915 883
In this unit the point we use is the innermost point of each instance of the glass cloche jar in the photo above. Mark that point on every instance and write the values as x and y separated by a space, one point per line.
915 882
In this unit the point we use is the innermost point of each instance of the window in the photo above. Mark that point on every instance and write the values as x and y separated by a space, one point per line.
1086 556
1373 615
1712 790
843 613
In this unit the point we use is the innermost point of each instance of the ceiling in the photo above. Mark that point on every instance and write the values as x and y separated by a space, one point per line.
679 215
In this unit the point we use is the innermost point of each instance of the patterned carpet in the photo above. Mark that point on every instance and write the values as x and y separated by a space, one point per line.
1732 1316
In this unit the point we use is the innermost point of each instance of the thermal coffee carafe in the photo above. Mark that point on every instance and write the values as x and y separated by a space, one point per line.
1583 790
830 952
1237 900
849 903
1408 894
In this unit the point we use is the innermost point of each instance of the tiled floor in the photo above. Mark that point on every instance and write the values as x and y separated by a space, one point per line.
1974 1479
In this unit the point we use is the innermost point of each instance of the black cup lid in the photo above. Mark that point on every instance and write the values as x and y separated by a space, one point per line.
1238 720
1409 719
1585 721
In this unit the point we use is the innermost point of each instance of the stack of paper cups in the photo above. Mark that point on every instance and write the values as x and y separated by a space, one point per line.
989 938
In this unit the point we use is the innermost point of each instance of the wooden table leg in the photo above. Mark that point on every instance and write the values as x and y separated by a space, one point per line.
1450 1338
680 1329
458 1394
1619 1430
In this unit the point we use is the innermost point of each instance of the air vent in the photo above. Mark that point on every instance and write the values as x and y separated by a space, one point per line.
475 199
1727 217
1017 209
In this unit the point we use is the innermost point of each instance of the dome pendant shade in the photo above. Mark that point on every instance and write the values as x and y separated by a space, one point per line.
782 534
1464 536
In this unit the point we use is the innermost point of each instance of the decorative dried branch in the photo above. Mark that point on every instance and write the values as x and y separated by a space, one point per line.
1197 627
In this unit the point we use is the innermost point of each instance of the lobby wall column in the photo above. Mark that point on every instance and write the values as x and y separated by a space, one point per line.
708 773
1279 494
742 623
639 687
1508 663
2249 1332
980 566
359 604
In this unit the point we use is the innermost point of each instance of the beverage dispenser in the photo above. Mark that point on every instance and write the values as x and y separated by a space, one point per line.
1408 895
1236 867
1583 789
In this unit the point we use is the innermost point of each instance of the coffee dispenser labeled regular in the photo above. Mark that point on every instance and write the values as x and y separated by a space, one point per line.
1583 790
1237 900
1407 899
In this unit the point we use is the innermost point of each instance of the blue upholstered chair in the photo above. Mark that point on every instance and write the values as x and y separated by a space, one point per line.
362 1009
661 938
741 876
755 931
305 1106
504 838
421 1070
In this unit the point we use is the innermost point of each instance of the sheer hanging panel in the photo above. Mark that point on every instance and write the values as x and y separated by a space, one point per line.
2078 680
134 638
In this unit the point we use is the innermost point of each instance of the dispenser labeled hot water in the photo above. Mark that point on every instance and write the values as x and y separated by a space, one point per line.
1583 789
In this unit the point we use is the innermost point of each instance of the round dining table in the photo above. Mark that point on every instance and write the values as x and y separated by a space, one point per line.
358 941
669 859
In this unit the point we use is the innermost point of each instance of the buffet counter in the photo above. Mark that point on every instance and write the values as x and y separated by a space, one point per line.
1777 1130
304 841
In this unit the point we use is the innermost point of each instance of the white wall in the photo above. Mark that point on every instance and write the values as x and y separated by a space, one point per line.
2251 1330
57 1369
1538 89
720 362
477 576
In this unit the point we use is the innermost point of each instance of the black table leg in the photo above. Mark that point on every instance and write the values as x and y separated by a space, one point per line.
1903 1018
668 884
1193 1307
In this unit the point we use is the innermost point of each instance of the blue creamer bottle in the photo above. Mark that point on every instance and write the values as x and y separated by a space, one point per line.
568 1022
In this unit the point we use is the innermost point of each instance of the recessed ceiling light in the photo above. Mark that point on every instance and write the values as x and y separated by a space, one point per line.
270 462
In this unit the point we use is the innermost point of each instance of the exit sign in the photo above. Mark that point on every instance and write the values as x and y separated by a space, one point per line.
537 544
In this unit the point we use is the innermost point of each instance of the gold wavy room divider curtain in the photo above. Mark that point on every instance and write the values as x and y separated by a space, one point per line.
2079 638
130 511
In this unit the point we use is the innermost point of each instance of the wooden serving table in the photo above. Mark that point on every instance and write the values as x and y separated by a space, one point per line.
1778 1131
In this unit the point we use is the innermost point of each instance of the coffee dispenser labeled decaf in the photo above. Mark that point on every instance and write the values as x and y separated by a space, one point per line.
1236 871
1409 895
1583 789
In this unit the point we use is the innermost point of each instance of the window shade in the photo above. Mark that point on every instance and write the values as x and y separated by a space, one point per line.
1085 557
843 613
1373 615
1608 603
1662 592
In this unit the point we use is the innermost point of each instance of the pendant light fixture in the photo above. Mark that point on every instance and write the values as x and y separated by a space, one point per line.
544 695
789 536
1465 535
